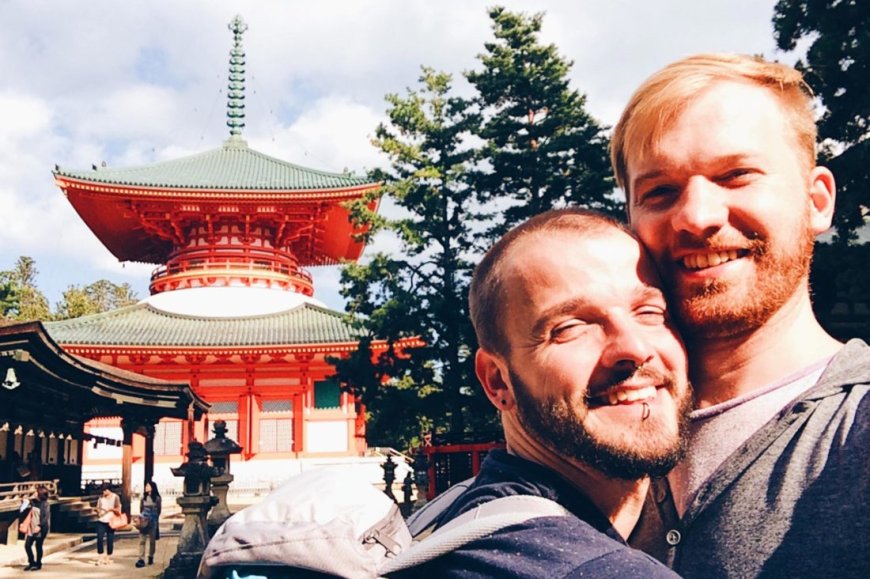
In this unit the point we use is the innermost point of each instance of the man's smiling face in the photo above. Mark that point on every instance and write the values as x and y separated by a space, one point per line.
597 371
722 202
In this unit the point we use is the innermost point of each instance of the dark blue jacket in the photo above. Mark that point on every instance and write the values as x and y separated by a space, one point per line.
582 545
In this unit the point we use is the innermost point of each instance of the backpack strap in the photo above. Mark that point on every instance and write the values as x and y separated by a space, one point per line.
422 522
477 523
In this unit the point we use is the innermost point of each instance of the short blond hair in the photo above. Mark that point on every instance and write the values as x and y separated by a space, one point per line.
660 100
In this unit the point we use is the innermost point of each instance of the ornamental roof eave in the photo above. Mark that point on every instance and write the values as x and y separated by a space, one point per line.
144 326
215 194
233 169
91 389
273 351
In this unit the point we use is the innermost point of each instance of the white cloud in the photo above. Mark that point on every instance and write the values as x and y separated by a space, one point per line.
333 134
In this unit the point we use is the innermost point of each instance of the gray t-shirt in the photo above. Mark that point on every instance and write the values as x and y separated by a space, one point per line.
717 431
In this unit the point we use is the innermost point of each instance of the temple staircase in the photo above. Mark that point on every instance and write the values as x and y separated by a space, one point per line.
74 514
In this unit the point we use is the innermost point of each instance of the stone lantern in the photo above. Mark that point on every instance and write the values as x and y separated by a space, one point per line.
389 467
219 449
195 504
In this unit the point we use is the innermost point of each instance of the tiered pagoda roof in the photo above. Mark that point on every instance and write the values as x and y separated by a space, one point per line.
227 217
146 326
142 213
231 170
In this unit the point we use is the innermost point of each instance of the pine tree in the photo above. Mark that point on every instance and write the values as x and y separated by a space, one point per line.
837 67
542 149
421 289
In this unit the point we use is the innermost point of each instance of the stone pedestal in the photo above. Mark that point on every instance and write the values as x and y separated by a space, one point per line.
195 504
220 486
193 538
219 449
11 532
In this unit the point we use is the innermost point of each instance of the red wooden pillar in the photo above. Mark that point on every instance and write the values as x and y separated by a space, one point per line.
298 423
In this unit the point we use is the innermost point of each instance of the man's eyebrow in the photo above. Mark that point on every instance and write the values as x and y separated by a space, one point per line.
648 292
648 176
731 159
557 310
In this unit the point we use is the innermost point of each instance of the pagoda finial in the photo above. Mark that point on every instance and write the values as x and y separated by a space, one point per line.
236 94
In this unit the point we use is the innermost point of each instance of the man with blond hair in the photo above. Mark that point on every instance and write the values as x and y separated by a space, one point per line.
716 155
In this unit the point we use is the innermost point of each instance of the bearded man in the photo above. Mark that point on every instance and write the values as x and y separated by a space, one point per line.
716 155
578 354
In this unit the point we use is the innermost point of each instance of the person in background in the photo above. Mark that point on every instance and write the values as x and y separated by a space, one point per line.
40 522
149 508
108 505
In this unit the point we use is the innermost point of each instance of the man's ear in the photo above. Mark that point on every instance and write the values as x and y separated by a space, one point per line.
492 372
823 197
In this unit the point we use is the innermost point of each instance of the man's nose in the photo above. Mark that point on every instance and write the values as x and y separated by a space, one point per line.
702 210
627 346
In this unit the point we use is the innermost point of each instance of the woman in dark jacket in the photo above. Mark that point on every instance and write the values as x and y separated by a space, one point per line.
39 529
149 508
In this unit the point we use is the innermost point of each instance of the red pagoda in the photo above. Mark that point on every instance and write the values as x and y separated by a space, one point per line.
231 309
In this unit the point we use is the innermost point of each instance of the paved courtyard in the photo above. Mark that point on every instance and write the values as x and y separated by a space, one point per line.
79 560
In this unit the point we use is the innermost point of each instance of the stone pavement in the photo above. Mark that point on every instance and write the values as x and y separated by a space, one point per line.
72 555
78 561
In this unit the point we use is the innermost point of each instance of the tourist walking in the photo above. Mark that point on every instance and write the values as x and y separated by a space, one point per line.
108 506
36 525
149 522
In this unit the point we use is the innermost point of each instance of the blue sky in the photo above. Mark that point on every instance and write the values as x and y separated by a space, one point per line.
86 81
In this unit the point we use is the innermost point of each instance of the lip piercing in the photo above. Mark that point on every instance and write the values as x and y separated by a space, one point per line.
646 411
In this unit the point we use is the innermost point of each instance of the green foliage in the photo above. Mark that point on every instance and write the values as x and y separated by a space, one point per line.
100 296
420 291
837 67
8 300
542 149
21 299
522 145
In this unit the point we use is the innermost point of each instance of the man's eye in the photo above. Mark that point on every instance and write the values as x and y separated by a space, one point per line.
737 177
652 315
655 195
567 330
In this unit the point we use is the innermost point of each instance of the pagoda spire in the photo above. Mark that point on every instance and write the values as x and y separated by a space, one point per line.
236 86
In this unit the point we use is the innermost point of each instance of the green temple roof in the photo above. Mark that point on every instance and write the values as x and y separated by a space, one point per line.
144 325
232 166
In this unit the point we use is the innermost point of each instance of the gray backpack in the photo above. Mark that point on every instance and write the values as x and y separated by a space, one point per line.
332 522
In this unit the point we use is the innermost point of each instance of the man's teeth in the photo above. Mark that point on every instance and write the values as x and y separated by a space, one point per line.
633 395
702 260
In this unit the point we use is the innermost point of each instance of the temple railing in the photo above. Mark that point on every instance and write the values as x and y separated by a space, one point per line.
11 494
204 267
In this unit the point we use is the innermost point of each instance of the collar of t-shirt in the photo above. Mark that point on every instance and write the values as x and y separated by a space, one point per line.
716 432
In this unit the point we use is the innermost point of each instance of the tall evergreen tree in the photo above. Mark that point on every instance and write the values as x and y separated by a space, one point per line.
542 149
421 289
837 67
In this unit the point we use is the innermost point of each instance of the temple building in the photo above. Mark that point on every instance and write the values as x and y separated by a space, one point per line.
232 310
